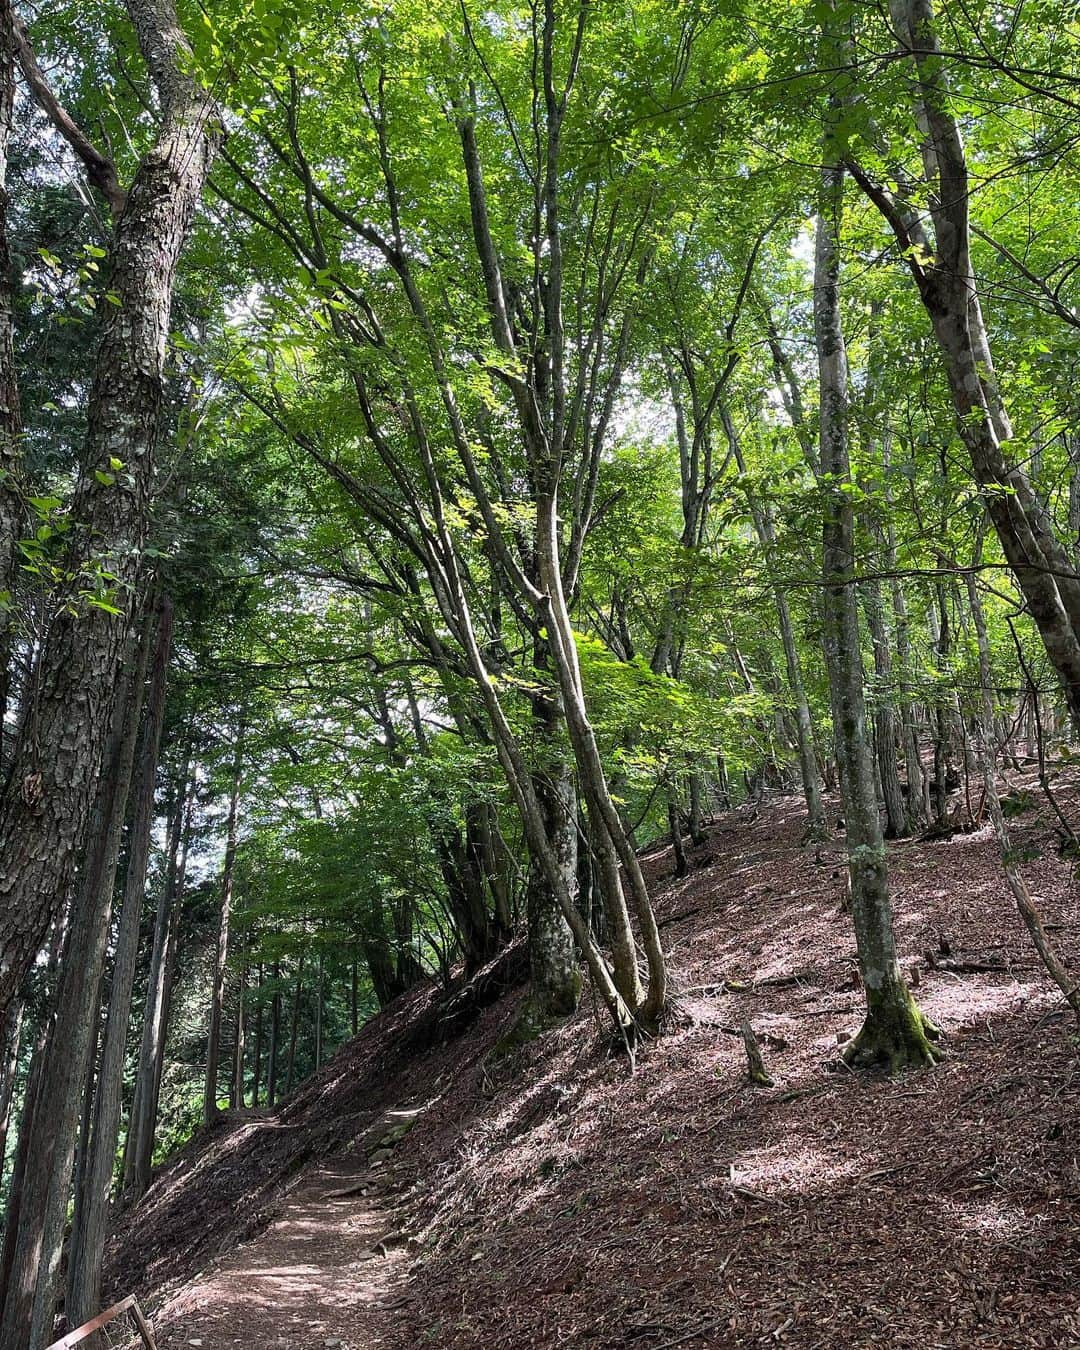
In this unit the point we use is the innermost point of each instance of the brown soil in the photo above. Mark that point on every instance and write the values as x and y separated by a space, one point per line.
559 1200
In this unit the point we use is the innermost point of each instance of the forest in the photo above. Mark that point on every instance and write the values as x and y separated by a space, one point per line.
539 673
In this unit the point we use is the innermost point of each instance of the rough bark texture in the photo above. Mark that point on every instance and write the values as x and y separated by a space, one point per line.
30 1297
894 1034
90 1220
554 977
48 803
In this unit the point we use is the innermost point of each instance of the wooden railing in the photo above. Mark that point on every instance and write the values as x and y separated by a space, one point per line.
102 1319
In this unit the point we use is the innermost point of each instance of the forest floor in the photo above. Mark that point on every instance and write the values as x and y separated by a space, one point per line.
556 1199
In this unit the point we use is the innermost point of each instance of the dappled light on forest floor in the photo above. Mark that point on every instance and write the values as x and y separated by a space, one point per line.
554 1198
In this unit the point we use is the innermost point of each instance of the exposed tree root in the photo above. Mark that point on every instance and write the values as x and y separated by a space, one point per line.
895 1036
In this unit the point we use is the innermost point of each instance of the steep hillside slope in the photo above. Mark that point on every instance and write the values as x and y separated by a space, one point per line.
556 1199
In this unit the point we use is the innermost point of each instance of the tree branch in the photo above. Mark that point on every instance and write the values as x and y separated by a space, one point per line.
99 168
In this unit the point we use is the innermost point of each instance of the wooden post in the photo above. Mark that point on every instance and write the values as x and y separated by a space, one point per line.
129 1304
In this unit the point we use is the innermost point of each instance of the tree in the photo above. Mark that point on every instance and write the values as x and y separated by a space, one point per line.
895 1032
47 803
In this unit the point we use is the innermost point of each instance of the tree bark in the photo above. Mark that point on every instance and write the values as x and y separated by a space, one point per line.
319 1009
90 1219
895 1033
30 1296
47 805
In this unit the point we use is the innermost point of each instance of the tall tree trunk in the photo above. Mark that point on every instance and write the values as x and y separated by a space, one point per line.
30 1296
816 826
236 1091
221 954
257 1048
275 1036
603 815
554 979
917 806
678 849
24 1137
895 1033
319 1009
139 1152
885 737
90 1219
294 1028
943 273
47 805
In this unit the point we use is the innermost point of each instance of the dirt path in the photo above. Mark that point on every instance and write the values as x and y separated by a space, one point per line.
317 1276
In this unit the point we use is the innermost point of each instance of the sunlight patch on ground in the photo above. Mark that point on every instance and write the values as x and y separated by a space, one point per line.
780 1169
993 1218
958 1000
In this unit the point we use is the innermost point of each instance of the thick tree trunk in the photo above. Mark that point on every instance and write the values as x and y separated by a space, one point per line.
554 978
895 1033
24 1137
47 806
221 954
479 936
90 1221
30 1298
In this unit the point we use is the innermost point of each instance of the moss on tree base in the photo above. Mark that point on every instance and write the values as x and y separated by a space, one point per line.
536 1016
896 1036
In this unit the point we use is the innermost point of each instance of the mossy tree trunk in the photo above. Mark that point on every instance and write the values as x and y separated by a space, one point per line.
895 1034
